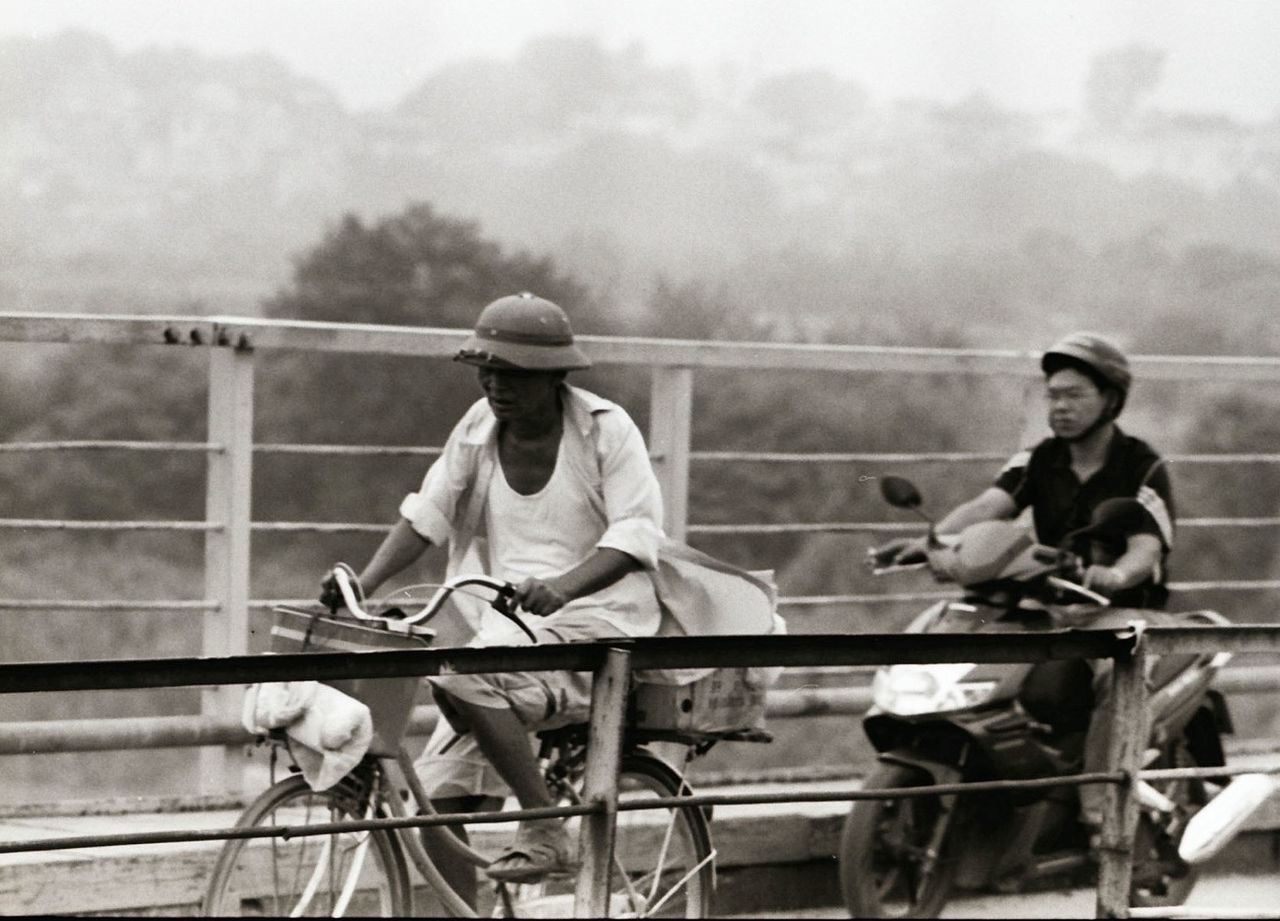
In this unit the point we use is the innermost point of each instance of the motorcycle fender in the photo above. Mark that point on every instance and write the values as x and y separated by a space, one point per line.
937 770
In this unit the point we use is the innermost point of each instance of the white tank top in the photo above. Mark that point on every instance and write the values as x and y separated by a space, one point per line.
553 530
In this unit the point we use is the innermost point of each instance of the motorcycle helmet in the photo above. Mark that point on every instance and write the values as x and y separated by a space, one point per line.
524 332
1097 358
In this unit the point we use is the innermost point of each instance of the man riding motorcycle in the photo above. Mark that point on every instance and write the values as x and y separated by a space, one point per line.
1062 480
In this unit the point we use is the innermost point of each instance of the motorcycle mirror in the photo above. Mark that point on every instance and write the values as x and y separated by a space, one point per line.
900 492
1119 516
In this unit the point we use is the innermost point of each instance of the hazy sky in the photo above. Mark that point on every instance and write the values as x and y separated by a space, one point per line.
1029 54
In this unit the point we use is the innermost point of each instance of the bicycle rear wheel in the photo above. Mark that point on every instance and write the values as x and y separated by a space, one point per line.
351 873
663 865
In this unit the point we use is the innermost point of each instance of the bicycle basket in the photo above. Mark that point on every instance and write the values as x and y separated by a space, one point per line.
390 700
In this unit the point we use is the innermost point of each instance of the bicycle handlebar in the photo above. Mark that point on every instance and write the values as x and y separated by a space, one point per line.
1068 585
501 602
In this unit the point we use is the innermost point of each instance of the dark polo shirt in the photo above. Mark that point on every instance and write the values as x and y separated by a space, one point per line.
1042 478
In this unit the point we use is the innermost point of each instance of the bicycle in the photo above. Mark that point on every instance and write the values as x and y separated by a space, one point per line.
663 863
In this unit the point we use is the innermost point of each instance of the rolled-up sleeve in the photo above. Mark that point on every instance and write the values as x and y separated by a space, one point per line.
432 511
632 498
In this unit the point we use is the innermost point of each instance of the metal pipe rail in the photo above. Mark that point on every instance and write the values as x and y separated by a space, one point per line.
146 732
233 345
645 653
612 661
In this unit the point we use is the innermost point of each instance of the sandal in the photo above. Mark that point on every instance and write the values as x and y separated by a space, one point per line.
542 849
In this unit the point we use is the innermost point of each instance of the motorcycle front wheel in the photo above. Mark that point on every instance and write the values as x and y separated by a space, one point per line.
891 863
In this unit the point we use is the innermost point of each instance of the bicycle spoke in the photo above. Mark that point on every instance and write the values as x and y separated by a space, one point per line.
662 854
696 868
353 876
309 891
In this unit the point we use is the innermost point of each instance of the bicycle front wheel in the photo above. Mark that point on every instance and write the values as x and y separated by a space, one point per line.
663 866
350 873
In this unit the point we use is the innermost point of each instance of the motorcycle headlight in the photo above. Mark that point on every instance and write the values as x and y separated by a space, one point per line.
907 690
968 694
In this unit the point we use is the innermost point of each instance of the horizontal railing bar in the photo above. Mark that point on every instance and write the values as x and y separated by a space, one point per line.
820 527
834 527
801 601
90 445
838 796
113 734
843 457
698 800
304 335
90 604
1235 638
769 457
1202 773
53 524
359 450
944 457
826 527
792 601
1234 585
321 527
648 652
1203 913
494 818
295 831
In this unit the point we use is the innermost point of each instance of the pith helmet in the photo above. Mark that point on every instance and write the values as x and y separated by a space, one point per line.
523 331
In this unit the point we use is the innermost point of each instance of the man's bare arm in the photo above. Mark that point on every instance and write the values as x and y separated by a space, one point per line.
991 504
398 549
601 569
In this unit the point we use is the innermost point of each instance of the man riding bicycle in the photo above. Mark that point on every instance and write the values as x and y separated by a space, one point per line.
548 487
1062 480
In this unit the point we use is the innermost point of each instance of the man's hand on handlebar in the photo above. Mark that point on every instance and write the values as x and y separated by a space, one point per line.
540 597
901 551
330 594
1105 580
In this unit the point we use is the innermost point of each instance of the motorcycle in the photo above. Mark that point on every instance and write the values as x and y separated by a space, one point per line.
957 722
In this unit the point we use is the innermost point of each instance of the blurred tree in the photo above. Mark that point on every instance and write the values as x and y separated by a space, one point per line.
810 102
415 268
1118 81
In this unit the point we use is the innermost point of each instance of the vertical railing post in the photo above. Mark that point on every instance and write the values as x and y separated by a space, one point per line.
600 783
1032 412
670 425
226 547
1127 742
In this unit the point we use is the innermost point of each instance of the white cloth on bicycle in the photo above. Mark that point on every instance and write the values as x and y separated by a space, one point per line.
330 731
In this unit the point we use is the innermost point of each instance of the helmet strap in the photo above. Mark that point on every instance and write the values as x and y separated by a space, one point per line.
1105 417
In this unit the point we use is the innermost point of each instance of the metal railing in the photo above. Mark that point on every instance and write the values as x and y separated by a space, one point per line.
612 662
232 344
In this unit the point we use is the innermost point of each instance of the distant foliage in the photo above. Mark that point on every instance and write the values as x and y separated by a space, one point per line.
415 268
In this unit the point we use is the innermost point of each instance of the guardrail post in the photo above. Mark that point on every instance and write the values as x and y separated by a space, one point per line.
226 547
600 783
1032 409
670 424
1120 817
